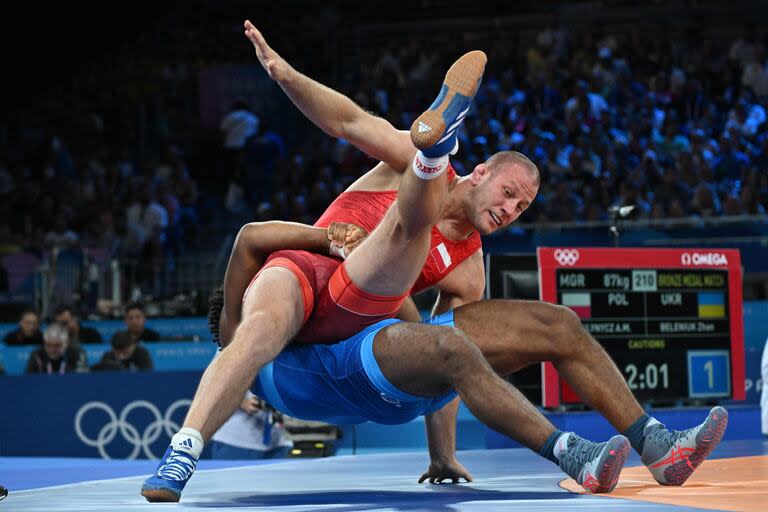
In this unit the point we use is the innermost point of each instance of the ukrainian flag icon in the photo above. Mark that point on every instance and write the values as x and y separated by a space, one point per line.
711 305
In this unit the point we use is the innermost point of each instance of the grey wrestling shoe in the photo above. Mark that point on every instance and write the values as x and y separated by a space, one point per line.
672 455
595 466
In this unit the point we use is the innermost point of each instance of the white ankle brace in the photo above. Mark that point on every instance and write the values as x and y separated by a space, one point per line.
188 440
429 168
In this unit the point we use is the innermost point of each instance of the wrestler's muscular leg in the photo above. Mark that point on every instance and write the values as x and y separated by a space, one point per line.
390 260
427 361
269 320
513 334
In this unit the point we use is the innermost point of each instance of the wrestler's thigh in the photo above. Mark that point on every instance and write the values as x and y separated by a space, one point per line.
413 356
512 334
276 296
387 263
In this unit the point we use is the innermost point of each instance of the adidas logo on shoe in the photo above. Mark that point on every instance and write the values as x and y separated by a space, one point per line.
423 128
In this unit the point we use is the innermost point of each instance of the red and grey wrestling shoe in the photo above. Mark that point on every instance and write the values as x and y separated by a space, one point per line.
673 455
595 466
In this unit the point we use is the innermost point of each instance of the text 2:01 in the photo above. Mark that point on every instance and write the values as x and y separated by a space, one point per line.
648 378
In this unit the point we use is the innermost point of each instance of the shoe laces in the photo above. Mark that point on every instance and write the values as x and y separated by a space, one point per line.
666 437
579 452
178 467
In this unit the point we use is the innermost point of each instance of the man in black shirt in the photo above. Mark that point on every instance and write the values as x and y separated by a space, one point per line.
28 332
134 321
56 356
127 354
67 318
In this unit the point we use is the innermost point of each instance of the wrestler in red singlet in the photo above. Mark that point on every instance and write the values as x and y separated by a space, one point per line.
334 307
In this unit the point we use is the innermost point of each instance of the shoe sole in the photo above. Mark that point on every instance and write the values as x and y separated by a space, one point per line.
160 496
464 78
611 464
707 439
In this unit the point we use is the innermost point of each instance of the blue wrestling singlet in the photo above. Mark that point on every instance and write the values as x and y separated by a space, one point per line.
342 383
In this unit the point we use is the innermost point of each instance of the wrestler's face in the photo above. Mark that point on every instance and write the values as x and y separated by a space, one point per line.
499 195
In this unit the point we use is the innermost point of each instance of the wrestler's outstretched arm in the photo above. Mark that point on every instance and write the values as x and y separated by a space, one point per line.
441 439
440 425
257 240
335 114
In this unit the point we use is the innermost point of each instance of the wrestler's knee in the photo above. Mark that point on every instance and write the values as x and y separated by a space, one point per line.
549 327
567 332
454 350
266 334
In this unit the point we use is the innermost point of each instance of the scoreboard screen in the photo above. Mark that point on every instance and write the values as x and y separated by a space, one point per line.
671 319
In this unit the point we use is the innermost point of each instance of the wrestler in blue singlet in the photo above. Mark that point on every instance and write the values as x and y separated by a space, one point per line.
342 383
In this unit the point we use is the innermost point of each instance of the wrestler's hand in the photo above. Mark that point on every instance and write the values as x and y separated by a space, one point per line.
275 66
345 237
451 470
251 405
354 237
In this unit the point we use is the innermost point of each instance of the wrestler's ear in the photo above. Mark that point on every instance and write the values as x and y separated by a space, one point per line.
478 173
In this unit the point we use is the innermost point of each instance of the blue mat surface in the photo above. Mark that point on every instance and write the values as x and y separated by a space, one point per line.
511 479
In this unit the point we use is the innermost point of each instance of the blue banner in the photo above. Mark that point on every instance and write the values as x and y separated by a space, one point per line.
108 415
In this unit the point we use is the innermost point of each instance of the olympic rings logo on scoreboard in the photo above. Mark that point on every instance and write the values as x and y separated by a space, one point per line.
141 442
707 258
566 257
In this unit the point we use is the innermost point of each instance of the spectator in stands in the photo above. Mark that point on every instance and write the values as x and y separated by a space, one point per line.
252 432
126 354
28 332
67 318
147 215
239 125
57 356
134 322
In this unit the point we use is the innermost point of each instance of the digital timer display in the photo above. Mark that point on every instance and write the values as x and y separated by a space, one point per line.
672 324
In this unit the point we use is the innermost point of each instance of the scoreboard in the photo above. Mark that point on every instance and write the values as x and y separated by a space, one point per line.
671 319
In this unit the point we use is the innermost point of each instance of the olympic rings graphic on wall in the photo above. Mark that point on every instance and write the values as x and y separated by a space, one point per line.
120 424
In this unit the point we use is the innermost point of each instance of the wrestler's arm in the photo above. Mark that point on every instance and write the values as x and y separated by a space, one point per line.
467 285
441 436
254 243
409 312
335 114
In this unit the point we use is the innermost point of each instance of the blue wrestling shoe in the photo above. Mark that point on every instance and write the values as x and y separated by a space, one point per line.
595 466
672 456
172 474
434 131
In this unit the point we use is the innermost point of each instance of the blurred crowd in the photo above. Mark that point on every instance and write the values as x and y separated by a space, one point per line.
671 122
59 346
674 125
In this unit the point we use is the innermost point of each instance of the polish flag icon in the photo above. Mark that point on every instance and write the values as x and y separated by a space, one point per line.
441 257
580 303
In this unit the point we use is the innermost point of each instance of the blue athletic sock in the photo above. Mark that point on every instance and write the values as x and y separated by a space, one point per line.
548 450
636 433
